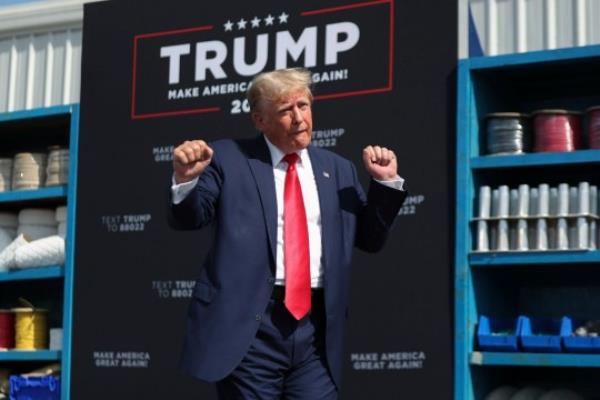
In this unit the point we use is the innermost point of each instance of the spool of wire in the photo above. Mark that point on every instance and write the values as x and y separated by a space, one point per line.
507 133
57 169
593 119
29 170
557 130
7 329
5 173
31 328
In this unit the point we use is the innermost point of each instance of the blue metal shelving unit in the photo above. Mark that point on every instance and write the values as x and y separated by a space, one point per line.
50 272
519 82
37 355
534 359
55 192
67 193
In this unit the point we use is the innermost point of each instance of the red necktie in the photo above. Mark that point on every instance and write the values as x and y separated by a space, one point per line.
295 243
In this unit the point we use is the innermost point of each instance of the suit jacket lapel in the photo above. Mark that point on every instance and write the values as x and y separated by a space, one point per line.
261 166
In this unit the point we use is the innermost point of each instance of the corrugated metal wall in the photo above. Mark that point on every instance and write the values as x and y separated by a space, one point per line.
40 70
515 26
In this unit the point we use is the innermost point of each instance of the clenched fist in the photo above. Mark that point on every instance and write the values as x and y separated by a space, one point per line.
190 159
380 163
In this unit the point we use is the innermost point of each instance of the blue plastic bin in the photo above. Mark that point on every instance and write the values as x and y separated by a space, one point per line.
34 388
542 335
579 344
491 333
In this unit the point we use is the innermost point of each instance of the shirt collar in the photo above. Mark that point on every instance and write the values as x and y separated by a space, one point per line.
277 155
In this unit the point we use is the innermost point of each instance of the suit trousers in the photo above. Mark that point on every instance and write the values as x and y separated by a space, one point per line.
286 359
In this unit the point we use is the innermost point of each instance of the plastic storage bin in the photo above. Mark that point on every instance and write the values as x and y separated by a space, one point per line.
579 344
542 334
498 334
34 388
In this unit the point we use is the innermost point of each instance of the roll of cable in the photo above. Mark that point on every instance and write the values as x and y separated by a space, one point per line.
593 124
507 133
7 256
31 328
557 130
57 171
41 253
29 171
7 329
61 214
8 228
9 220
37 216
5 174
36 232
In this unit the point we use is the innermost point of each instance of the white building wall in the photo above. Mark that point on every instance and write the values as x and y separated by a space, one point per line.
515 26
40 54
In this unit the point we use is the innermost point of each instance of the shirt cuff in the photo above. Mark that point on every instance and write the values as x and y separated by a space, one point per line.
179 191
397 183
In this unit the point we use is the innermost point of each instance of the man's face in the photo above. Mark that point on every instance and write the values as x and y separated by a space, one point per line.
287 122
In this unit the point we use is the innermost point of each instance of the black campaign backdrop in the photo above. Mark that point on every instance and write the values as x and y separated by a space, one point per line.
155 74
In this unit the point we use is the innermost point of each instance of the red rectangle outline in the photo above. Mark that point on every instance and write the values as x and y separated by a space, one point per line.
134 75
386 88
389 86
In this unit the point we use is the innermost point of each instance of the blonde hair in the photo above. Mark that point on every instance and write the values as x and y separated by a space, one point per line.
272 86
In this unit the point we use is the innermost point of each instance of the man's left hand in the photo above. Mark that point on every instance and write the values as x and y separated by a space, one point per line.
380 163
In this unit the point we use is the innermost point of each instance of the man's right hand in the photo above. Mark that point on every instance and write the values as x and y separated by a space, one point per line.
190 159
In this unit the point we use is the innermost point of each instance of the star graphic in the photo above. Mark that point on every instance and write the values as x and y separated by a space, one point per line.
269 20
228 25
283 18
255 22
242 23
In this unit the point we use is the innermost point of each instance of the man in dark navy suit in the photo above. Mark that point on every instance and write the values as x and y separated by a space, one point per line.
267 316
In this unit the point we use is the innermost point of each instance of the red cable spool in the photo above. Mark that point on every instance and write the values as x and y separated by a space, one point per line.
7 329
557 130
593 118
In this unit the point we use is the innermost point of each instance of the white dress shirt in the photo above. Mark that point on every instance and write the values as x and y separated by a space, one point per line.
311 202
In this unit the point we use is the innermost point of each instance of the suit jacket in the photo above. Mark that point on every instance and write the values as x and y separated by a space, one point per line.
236 196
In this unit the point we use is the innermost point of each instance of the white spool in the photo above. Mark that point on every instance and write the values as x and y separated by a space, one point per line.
503 235
541 235
503 202
584 198
483 241
523 209
543 208
583 241
62 230
514 202
593 236
6 237
485 198
522 238
61 214
9 220
563 200
37 216
534 202
562 234
495 202
56 339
